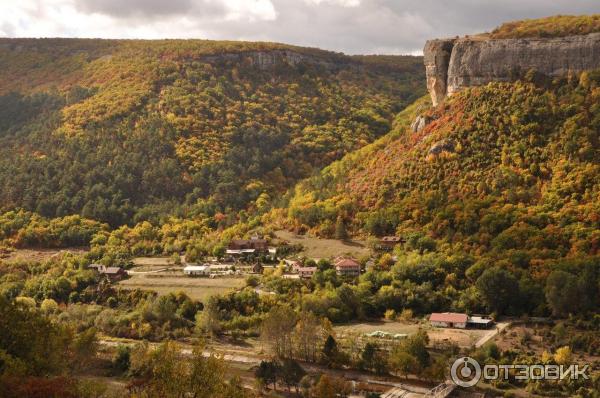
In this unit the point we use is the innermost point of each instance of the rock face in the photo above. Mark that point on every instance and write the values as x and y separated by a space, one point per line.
268 59
437 55
419 123
453 64
442 146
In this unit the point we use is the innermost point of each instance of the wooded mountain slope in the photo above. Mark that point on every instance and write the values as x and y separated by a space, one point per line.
555 26
123 131
505 172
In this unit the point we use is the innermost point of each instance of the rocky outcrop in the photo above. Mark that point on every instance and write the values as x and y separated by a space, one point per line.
268 59
442 146
453 64
419 123
437 55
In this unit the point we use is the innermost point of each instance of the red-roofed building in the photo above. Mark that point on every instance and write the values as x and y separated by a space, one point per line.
347 267
448 320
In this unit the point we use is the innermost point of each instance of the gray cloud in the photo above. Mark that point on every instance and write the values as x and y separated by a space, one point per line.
351 26
137 8
390 26
7 29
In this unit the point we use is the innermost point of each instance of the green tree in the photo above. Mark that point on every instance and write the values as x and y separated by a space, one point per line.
411 356
373 358
122 359
30 342
562 293
499 289
277 330
267 373
330 353
291 373
209 319
402 362
340 229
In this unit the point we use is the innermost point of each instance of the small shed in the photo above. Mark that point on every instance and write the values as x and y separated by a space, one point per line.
196 270
113 273
480 322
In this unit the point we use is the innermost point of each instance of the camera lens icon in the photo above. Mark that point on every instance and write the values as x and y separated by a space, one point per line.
465 372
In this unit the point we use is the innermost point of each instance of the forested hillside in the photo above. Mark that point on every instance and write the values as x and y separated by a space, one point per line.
502 177
555 26
126 131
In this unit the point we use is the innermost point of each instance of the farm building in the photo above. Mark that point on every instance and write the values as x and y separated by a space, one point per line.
449 320
196 270
480 322
97 267
388 242
306 272
238 252
247 246
112 273
347 267
293 264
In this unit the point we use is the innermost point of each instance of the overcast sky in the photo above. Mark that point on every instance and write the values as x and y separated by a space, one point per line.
350 26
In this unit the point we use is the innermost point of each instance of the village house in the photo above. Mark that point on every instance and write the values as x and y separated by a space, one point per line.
306 272
347 266
388 242
97 267
293 265
112 273
460 321
253 245
448 320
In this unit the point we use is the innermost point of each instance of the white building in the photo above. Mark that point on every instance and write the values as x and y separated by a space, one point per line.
196 270
480 322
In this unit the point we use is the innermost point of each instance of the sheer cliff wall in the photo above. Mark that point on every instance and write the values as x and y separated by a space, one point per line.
452 64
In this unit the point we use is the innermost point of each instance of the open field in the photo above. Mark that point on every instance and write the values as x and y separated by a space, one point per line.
197 288
392 327
152 261
323 248
40 254
462 337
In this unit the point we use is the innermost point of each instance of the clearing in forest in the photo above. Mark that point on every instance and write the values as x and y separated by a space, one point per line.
324 248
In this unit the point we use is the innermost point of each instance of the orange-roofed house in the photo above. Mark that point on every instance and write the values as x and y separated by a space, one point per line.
448 320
